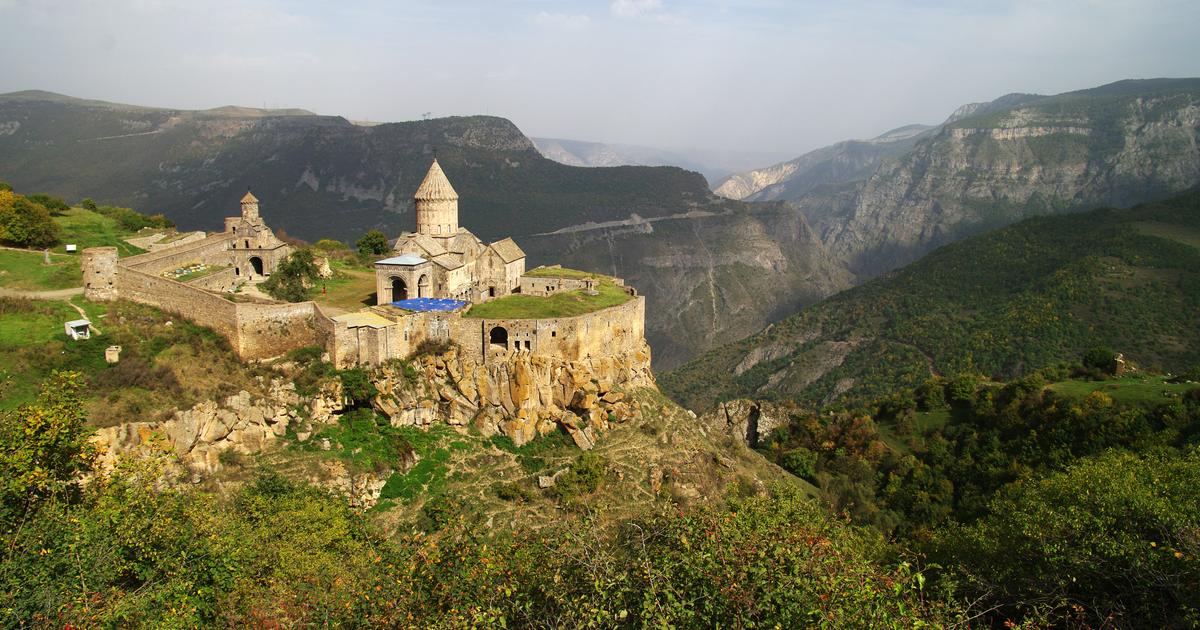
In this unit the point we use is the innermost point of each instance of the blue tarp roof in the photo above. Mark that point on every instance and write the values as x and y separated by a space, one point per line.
422 305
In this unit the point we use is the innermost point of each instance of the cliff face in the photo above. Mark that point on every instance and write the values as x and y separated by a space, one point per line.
1115 145
849 161
709 278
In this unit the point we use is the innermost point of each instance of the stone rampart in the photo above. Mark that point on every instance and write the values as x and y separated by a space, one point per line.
268 330
199 306
176 257
617 330
221 281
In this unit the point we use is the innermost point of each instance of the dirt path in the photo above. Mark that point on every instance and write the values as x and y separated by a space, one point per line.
57 294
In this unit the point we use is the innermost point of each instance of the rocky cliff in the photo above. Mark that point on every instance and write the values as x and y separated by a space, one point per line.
1115 145
841 163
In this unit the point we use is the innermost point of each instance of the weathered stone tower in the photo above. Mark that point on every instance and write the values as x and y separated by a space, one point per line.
100 274
250 207
436 203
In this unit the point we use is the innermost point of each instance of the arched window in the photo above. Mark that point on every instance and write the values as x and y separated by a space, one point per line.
498 338
423 286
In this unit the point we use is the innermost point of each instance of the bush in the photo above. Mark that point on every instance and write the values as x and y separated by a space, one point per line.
373 243
433 347
1101 358
583 477
131 220
357 385
56 206
800 462
292 277
1113 538
330 245
25 223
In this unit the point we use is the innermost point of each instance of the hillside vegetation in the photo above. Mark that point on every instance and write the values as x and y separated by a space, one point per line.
1001 304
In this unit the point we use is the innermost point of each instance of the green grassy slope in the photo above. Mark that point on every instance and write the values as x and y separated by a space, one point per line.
1002 304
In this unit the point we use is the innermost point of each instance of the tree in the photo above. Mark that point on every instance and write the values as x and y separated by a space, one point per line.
292 277
44 446
88 204
373 243
1112 541
25 223
55 205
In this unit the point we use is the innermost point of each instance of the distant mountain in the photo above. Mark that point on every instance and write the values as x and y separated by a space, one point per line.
849 161
1003 303
1020 156
714 164
723 268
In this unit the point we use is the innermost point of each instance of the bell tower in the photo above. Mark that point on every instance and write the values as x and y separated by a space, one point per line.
436 204
250 207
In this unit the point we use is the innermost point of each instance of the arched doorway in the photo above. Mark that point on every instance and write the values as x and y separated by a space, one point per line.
423 286
257 263
498 338
399 289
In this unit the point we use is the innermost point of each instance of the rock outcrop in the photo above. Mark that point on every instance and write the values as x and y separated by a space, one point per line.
239 424
521 397
748 420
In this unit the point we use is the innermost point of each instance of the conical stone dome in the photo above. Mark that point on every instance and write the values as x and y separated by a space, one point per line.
435 186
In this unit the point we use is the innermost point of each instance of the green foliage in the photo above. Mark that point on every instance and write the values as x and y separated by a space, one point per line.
5 187
373 243
131 220
357 385
1002 304
800 462
1109 541
1100 358
330 245
292 277
55 205
43 448
26 223
88 204
279 553
582 478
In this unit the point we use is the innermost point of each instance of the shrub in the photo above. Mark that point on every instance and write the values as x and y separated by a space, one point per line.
25 223
357 385
292 277
373 243
55 205
583 477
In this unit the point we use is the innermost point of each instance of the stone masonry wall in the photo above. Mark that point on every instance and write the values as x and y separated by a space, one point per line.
211 249
199 306
268 330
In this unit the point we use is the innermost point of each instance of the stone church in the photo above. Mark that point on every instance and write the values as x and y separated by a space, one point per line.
443 260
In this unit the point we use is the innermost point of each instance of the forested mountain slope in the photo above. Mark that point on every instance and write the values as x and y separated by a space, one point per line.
1002 303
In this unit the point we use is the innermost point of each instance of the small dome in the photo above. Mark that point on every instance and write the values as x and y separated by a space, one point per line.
435 186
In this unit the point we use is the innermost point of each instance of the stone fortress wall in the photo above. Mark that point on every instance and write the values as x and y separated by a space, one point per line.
257 329
614 331
254 330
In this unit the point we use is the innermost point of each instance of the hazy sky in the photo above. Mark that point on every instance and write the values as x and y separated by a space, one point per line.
772 75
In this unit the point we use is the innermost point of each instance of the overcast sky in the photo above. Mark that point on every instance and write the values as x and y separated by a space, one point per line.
769 75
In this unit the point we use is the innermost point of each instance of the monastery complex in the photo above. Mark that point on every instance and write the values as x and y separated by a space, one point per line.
425 292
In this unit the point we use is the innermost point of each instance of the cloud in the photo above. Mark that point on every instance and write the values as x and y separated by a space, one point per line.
559 21
635 8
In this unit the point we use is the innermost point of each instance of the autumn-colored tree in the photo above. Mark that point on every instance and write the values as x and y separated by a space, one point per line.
44 447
